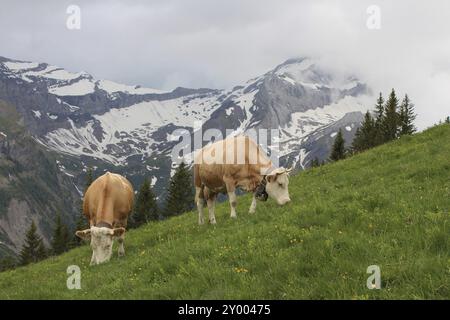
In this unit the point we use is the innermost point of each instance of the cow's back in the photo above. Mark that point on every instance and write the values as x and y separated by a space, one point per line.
110 199
241 168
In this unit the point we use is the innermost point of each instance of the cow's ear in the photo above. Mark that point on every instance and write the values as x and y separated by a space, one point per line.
117 232
85 234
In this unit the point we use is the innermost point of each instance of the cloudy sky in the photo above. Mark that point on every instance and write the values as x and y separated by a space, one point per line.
218 44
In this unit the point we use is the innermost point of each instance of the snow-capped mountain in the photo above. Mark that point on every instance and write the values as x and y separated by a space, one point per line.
104 123
75 114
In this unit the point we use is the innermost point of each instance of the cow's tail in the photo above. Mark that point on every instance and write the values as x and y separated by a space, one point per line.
101 201
199 187
197 180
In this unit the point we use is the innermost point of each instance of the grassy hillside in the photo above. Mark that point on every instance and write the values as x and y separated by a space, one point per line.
388 206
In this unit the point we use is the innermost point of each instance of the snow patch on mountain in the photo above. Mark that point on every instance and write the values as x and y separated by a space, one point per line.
154 114
18 66
65 83
246 102
113 87
300 158
37 113
304 123
132 125
61 74
29 75
79 88
303 72
308 73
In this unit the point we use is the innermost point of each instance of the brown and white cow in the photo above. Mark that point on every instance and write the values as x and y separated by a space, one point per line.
236 162
107 203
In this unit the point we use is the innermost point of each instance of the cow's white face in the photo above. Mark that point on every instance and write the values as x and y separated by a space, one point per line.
277 186
101 242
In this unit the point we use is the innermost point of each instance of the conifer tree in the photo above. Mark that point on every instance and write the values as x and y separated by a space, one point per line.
407 117
365 137
82 222
338 150
61 238
315 162
146 208
42 251
379 109
7 263
180 194
33 250
357 143
392 119
447 120
379 121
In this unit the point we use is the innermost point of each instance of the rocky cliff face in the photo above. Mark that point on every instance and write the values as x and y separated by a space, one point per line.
32 186
85 122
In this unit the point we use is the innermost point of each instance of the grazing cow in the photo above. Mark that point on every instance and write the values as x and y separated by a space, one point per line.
236 162
107 204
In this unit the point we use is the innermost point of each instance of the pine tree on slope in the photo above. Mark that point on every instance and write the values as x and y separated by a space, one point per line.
180 194
392 119
315 163
33 250
379 121
365 137
61 239
407 117
7 263
338 150
82 222
146 208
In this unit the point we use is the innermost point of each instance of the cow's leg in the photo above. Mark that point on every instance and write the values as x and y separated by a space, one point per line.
92 259
253 205
233 203
231 188
211 206
120 240
200 202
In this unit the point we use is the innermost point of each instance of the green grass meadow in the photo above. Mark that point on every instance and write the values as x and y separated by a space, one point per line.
387 207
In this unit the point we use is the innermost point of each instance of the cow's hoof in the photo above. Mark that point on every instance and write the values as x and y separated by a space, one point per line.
233 217
121 254
251 211
212 221
201 222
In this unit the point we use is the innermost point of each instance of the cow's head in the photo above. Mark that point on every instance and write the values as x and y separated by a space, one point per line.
277 185
101 242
